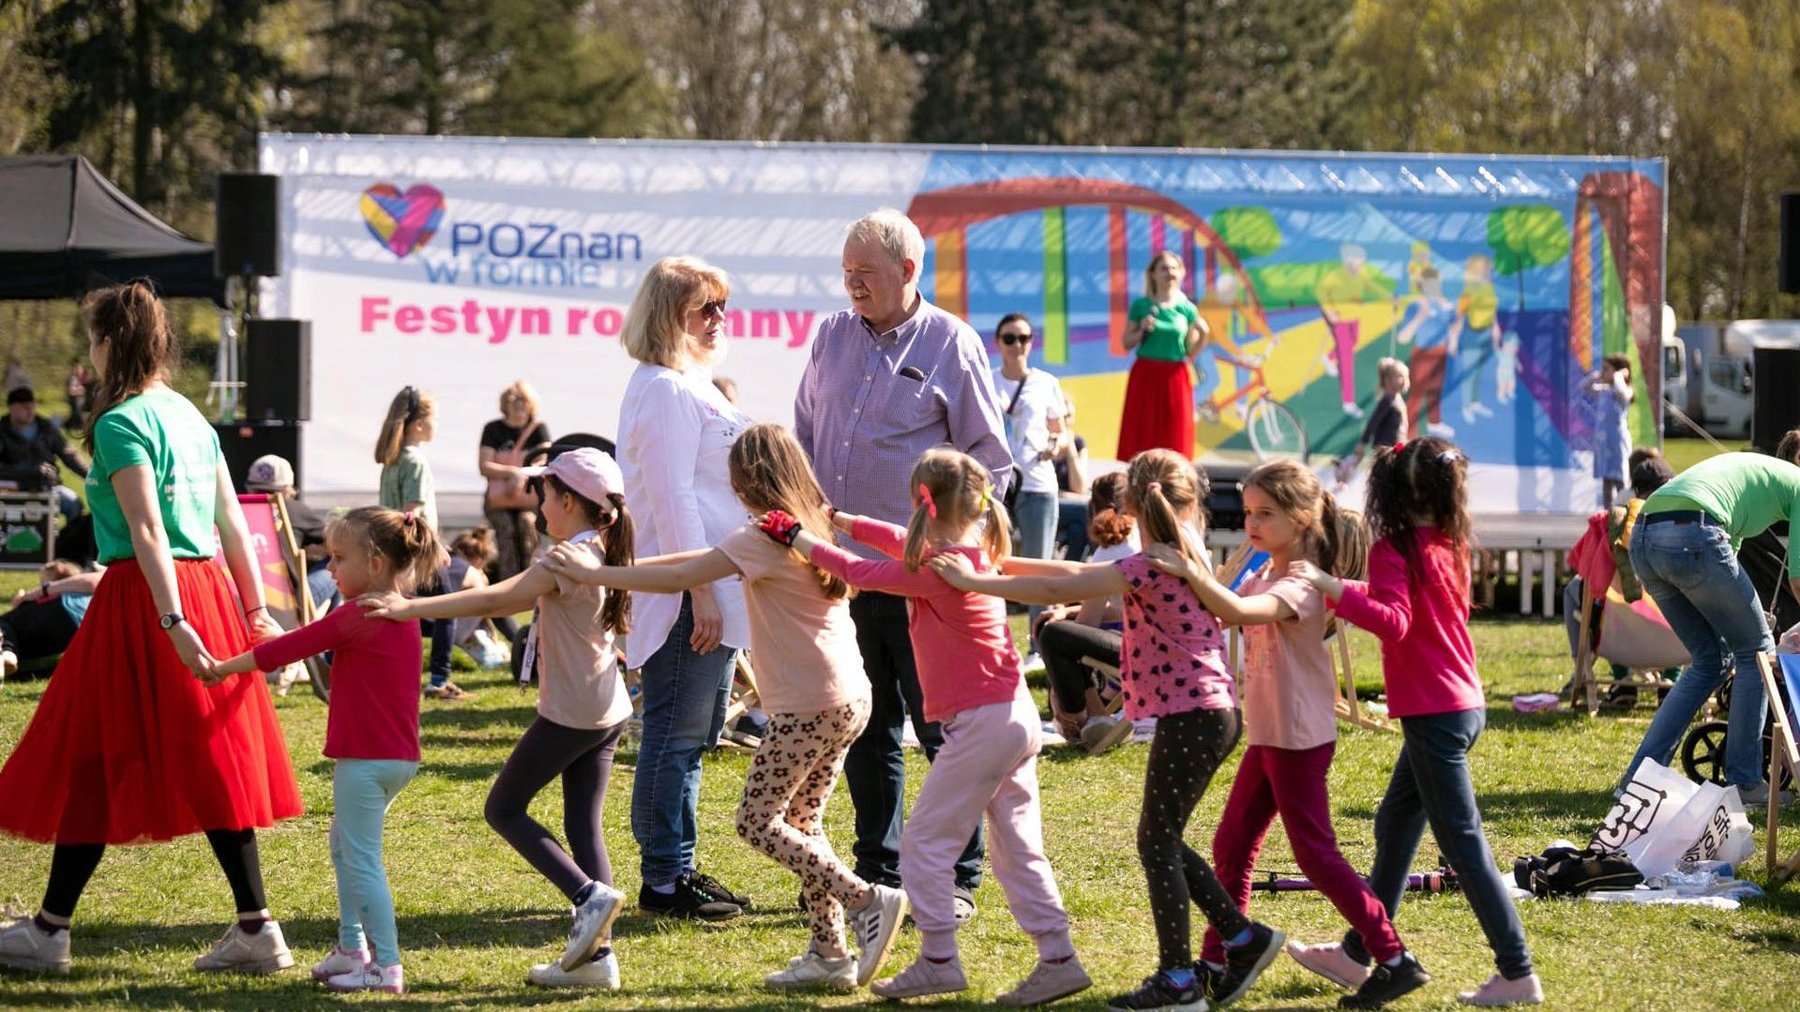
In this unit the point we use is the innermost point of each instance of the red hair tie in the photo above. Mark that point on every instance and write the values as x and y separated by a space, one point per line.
1155 486
408 517
930 504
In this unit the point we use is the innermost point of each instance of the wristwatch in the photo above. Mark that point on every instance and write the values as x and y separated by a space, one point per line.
170 621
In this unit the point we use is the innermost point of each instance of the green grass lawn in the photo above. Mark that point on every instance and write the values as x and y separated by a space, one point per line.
1684 452
473 916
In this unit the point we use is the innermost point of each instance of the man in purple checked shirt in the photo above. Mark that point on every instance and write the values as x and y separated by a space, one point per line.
888 379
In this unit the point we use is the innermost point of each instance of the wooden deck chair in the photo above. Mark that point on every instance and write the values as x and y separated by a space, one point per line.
1349 708
1632 634
743 697
1783 751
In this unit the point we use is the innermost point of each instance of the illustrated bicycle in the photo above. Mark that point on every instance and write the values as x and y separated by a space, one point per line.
1274 431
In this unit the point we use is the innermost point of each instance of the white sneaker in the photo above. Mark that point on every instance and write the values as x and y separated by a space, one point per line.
24 947
1329 961
239 951
923 978
1440 430
874 928
1352 410
814 970
592 921
1047 983
600 974
1482 410
386 979
9 663
1033 662
340 960
1468 413
1101 734
1499 992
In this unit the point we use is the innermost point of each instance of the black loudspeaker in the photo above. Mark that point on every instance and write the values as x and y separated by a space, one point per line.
243 442
248 225
277 370
1775 375
1790 243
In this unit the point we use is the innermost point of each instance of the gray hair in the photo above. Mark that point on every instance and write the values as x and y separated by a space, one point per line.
893 231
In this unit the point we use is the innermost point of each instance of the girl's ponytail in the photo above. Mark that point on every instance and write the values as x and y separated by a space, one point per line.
1160 482
914 553
620 537
955 488
1345 552
999 527
421 549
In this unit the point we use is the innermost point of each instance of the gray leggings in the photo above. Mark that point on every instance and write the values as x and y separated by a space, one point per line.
583 759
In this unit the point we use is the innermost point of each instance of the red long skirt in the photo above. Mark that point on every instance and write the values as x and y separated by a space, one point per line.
1159 409
127 746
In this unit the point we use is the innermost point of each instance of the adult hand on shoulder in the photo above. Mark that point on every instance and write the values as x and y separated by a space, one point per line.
709 621
385 604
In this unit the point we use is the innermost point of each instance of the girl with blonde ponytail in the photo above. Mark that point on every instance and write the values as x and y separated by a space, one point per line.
973 683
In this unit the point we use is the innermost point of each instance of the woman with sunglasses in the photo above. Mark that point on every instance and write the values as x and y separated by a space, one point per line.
675 436
1034 409
507 444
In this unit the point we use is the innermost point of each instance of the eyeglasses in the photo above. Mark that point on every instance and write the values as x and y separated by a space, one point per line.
1012 339
711 307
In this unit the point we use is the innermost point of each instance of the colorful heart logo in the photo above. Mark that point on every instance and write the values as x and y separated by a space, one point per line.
403 222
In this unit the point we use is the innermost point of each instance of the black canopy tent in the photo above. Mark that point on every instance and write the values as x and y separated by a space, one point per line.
65 229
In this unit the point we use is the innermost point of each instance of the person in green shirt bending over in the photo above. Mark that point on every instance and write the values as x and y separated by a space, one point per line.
1684 549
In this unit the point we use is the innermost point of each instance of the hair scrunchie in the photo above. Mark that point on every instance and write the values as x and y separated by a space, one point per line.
930 504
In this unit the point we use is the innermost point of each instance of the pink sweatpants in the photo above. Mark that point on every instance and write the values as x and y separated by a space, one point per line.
1291 783
1343 338
988 764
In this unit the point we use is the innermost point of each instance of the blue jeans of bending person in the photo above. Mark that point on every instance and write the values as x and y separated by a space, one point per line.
684 697
875 766
1691 571
1431 785
1035 515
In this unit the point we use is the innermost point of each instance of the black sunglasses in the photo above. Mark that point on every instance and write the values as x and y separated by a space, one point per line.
712 306
1012 339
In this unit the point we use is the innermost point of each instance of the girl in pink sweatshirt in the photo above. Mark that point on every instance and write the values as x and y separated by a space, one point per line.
1417 602
970 674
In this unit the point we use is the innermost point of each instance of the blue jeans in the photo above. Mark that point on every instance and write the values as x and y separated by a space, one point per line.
1431 784
684 696
1071 528
68 502
1692 573
1034 513
361 791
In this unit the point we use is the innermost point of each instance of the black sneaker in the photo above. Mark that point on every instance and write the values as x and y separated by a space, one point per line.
1160 993
1245 963
716 889
688 902
1386 983
1208 978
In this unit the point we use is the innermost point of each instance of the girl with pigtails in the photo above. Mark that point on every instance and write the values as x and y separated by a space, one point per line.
1172 666
971 676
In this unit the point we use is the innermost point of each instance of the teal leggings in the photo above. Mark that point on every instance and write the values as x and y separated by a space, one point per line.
361 791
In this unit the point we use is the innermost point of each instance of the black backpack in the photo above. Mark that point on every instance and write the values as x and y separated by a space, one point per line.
1565 871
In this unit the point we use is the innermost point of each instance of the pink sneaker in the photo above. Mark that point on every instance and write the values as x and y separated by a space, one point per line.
386 979
1499 991
1329 961
339 961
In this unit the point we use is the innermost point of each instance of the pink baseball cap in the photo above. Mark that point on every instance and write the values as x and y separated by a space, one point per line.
589 472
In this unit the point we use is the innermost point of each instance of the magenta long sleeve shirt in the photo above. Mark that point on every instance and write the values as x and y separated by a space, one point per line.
1427 658
963 649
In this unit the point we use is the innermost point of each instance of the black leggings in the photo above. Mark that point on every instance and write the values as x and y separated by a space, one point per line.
1187 750
72 864
1062 645
583 759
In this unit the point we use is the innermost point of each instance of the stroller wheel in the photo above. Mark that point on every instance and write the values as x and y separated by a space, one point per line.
1703 752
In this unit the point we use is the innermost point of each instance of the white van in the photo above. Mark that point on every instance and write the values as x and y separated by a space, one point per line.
1729 395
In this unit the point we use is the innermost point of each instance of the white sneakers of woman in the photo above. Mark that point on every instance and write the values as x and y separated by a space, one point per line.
24 947
813 970
1499 992
340 960
600 974
239 951
386 979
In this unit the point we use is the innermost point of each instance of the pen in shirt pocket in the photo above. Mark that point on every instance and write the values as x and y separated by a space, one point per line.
912 372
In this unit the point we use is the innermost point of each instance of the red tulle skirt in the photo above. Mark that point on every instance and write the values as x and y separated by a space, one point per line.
127 746
1159 409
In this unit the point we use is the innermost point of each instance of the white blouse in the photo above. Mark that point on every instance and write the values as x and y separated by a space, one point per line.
675 436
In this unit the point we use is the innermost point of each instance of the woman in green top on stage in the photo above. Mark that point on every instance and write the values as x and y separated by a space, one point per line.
1167 332
127 745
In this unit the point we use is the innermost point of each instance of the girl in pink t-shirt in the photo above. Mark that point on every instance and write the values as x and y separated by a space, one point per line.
1417 603
970 675
810 681
1289 712
1173 669
371 732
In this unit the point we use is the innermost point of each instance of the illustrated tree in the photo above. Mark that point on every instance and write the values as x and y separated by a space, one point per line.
1523 236
1249 232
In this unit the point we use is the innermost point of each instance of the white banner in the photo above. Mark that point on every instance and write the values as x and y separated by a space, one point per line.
459 266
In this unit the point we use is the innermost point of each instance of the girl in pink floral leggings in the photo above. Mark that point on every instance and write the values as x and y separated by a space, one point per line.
810 680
